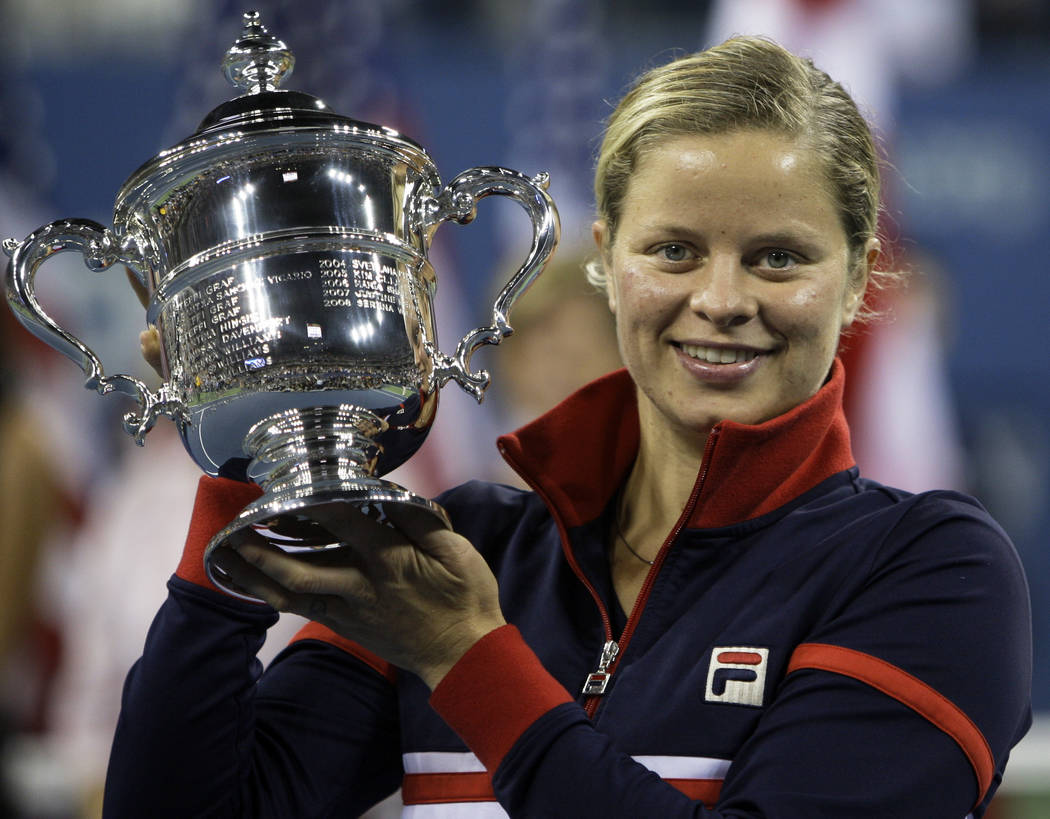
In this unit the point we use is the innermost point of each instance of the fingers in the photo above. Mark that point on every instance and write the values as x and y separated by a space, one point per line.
250 573
350 525
428 533
149 345
292 577
245 578
374 542
149 339
405 533
418 525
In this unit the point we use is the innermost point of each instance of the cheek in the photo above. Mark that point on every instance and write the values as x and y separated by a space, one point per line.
806 298
637 292
640 306
812 311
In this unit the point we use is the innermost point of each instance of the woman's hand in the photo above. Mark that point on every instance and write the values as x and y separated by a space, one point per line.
149 339
149 346
417 595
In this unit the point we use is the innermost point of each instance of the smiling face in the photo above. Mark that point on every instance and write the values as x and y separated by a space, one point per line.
729 275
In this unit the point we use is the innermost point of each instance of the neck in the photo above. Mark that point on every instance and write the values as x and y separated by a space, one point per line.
660 482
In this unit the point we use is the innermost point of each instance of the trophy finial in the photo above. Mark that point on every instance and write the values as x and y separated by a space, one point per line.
258 61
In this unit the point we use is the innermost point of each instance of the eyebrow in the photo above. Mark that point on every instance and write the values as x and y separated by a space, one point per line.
787 237
790 236
669 227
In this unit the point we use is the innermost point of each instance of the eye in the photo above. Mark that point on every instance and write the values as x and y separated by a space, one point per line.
673 252
777 259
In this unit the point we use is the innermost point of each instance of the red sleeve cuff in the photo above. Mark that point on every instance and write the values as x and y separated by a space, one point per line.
219 501
494 693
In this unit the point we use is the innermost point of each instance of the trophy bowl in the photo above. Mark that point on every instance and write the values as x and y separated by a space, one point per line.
283 248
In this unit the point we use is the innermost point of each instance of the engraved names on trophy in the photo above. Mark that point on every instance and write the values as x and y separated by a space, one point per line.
230 316
359 282
230 336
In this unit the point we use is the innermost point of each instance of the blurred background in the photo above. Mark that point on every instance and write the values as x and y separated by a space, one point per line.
952 390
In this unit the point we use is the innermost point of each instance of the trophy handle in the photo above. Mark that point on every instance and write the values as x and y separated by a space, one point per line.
459 201
100 248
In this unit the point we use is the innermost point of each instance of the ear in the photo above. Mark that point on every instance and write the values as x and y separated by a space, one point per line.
858 287
600 232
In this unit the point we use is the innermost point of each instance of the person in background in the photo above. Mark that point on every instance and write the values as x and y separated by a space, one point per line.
35 506
564 338
700 608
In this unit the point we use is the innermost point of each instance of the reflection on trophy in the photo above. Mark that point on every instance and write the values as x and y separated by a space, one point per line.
284 250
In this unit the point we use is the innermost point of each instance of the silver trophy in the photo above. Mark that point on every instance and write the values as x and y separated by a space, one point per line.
284 251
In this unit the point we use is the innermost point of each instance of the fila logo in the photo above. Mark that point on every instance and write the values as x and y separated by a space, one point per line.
737 675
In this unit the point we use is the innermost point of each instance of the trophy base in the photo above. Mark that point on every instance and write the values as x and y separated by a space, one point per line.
303 459
284 520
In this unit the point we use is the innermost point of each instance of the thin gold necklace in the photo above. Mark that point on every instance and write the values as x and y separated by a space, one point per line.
619 534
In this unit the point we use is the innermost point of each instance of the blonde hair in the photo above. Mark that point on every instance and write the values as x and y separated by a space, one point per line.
746 83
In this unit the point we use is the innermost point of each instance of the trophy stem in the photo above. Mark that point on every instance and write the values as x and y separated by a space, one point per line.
310 448
311 457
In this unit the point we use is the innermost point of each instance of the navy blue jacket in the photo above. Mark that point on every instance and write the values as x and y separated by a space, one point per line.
808 644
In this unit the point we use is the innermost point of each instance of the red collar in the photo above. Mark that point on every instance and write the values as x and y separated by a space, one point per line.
578 454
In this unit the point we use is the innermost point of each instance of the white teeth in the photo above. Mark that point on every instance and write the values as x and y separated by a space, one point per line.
718 355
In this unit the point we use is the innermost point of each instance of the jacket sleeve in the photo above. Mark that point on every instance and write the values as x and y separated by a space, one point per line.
204 732
904 701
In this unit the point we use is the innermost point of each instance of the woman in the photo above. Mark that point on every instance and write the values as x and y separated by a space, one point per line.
712 613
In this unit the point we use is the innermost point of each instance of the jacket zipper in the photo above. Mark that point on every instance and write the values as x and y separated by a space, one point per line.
597 681
612 652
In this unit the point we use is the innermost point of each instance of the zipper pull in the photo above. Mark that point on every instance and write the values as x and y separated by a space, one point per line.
598 681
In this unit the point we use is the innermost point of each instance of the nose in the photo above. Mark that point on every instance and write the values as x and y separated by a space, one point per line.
720 292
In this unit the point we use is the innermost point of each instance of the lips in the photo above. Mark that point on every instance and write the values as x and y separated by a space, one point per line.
720 365
719 355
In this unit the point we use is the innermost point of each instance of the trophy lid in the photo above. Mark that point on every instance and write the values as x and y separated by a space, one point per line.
257 63
264 118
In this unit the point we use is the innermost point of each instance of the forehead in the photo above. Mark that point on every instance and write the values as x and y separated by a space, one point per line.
757 175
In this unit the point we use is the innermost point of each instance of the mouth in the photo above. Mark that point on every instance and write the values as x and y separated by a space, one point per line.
719 355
